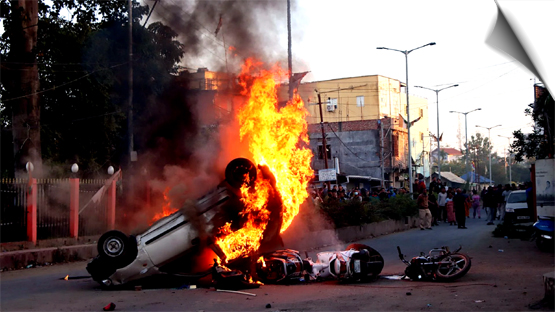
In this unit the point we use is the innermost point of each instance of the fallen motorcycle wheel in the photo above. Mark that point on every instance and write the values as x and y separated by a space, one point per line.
452 267
375 258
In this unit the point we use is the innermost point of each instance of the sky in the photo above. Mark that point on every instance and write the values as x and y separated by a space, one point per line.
339 39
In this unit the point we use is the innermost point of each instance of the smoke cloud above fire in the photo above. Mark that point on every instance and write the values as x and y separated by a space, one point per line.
186 148
244 28
191 138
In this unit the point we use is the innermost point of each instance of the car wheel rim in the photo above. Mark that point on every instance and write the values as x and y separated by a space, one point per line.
113 247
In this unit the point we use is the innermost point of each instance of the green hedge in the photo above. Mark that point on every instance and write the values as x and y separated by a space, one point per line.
353 212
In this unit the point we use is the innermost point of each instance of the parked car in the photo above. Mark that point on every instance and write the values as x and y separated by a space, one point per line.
516 209
123 258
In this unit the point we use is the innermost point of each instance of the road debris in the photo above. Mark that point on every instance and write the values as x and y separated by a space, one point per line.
408 293
110 307
268 306
236 292
478 301
67 277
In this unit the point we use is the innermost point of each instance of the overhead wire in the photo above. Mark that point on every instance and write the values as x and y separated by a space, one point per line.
62 85
343 143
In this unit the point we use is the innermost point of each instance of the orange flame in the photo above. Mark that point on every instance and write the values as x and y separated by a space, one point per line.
275 137
166 209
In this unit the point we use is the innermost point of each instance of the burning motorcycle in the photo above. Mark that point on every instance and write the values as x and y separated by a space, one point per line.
439 265
357 262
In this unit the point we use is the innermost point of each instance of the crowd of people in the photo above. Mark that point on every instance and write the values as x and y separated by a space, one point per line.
437 203
340 194
453 205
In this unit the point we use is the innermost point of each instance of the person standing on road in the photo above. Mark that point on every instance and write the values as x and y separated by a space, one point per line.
490 204
434 208
499 201
459 201
476 204
424 213
505 194
467 204
450 208
441 197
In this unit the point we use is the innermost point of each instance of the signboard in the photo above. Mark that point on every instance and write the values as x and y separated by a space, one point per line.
545 187
326 175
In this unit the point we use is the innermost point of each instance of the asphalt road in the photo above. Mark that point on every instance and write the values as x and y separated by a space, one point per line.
506 275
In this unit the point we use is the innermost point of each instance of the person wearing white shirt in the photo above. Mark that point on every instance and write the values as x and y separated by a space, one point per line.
441 197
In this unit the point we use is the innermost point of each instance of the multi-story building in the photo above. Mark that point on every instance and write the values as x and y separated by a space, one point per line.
365 126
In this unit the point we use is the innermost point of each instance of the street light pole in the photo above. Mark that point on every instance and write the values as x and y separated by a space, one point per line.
438 147
466 139
406 53
509 153
489 139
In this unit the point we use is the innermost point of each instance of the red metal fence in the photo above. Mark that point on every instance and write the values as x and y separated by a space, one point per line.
55 208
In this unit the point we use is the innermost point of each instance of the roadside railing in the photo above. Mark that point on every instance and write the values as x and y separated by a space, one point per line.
55 208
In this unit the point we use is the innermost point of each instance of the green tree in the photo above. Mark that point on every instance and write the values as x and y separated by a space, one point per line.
540 142
455 166
83 67
479 149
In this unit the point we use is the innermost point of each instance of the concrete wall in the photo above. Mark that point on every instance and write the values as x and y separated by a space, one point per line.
323 238
358 151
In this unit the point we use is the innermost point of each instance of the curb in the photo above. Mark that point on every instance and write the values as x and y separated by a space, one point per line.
11 260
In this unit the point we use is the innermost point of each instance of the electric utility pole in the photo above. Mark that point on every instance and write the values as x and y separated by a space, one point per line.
289 56
324 143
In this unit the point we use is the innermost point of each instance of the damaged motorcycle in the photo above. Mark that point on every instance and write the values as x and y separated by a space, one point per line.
439 265
358 262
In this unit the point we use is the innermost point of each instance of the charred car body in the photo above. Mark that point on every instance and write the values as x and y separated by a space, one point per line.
123 258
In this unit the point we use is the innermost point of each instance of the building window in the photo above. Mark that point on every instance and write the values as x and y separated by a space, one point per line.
328 152
421 112
360 101
421 136
332 104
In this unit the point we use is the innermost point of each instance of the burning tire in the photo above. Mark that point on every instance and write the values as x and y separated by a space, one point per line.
240 171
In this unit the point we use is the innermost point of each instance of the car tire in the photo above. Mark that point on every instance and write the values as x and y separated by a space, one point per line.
375 256
544 244
116 246
240 171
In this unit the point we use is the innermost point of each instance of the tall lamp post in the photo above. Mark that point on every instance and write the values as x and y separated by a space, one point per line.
438 148
406 53
509 161
489 139
466 139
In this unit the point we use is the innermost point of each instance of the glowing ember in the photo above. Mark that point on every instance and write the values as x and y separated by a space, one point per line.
166 209
275 137
67 277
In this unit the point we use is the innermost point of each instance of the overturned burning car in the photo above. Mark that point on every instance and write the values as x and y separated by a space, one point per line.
176 237
171 243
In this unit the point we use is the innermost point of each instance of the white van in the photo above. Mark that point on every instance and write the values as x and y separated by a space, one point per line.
516 209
